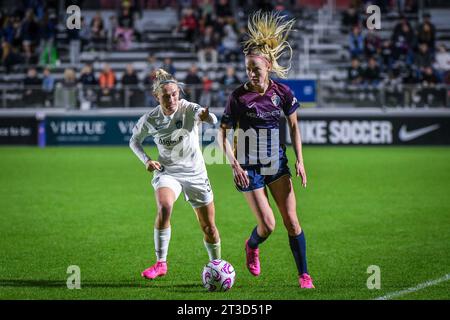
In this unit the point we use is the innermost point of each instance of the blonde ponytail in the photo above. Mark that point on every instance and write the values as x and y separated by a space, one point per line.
268 32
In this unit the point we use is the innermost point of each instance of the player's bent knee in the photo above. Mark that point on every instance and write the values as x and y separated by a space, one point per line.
293 228
267 228
210 231
165 210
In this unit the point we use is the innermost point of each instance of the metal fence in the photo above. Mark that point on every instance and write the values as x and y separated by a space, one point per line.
329 94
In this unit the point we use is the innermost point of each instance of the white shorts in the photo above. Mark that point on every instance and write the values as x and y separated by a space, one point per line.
196 190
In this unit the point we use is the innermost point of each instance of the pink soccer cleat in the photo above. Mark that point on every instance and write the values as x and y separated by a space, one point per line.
252 260
159 269
305 281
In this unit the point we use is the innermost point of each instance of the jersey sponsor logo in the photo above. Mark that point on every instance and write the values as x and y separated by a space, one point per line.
276 99
168 142
405 135
263 115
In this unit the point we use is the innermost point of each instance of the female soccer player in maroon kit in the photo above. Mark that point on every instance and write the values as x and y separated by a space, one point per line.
259 160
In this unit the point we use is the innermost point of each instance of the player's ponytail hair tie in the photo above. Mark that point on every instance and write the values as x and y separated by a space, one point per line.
162 78
267 39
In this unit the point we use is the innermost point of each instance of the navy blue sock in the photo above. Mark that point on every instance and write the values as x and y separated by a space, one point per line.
298 248
255 239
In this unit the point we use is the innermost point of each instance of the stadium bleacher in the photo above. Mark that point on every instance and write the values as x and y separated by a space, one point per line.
320 50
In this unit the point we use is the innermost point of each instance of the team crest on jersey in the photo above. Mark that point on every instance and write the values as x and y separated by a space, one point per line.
179 124
276 100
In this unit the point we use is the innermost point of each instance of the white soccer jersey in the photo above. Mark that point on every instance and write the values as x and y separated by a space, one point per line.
176 137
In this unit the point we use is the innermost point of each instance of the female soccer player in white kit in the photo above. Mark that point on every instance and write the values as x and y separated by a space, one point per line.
173 124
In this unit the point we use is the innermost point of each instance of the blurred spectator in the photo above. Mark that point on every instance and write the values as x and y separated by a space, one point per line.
393 89
372 74
385 53
89 87
206 10
107 78
193 79
152 64
66 91
230 78
206 95
442 64
36 6
129 77
33 87
403 41
426 33
410 76
264 5
87 76
125 29
85 35
350 18
229 49
208 47
30 33
280 7
188 25
356 42
223 9
9 57
7 31
48 84
428 77
229 81
431 94
130 82
111 33
355 73
169 66
49 55
17 33
48 80
107 81
423 58
372 43
97 27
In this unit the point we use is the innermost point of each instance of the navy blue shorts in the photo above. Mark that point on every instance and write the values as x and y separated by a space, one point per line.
256 177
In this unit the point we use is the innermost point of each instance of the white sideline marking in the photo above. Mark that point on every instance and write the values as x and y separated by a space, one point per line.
414 289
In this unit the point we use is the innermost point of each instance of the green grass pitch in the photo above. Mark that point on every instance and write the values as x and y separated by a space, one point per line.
94 208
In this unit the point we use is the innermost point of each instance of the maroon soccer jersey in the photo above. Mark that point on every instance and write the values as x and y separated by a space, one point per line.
259 114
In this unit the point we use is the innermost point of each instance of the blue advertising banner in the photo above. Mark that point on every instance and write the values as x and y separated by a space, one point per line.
304 90
315 130
89 130
18 130
95 130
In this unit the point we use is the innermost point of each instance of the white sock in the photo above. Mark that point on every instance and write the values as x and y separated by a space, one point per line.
162 239
213 250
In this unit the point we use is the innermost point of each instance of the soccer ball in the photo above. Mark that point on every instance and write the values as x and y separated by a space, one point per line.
218 275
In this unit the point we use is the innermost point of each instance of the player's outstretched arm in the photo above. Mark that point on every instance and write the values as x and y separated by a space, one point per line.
294 132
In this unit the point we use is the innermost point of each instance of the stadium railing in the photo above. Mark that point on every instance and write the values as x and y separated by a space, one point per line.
330 94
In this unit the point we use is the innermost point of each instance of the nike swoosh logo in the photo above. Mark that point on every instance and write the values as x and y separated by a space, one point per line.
405 135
